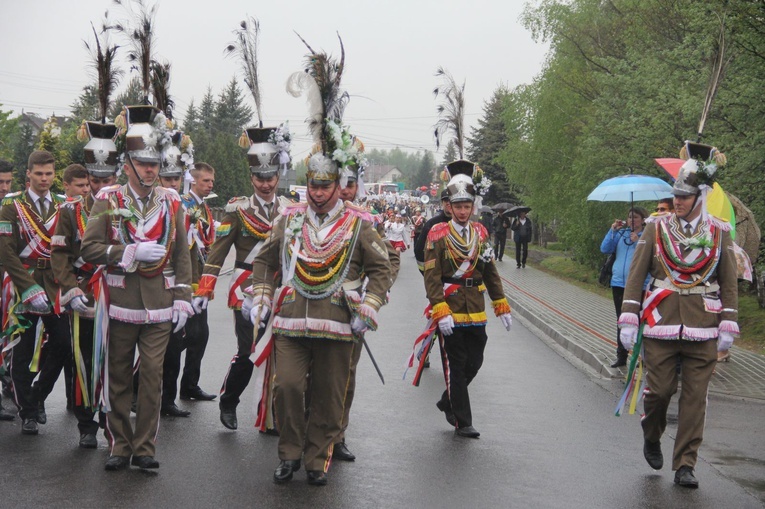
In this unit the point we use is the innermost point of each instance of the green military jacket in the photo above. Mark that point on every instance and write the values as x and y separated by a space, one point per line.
313 302
140 292
457 271
25 246
683 303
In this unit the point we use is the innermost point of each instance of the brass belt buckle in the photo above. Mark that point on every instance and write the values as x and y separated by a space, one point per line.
468 282
42 263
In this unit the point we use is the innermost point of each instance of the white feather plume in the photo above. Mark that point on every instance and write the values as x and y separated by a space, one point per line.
300 83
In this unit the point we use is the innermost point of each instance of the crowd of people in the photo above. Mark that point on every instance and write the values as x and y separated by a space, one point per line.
112 282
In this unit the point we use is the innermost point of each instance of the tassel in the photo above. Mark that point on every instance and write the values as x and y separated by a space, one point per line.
244 140
82 133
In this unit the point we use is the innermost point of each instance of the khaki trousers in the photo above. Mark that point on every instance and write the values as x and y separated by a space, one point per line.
151 340
329 364
697 360
355 357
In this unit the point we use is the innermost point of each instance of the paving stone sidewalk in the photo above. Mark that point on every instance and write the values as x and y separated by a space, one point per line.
585 324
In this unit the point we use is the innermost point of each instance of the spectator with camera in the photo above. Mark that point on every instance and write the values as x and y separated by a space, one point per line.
622 239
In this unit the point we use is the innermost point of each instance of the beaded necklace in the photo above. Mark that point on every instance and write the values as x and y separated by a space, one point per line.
670 256
254 226
458 250
322 265
37 234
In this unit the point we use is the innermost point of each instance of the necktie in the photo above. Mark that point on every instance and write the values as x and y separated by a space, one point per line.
144 203
464 234
269 206
43 208
321 218
688 230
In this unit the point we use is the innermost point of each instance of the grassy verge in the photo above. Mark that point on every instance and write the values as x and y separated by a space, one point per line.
751 316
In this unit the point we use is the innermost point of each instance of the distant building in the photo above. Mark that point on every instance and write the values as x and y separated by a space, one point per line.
382 173
37 122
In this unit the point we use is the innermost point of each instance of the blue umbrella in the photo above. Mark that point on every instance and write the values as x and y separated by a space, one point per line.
629 188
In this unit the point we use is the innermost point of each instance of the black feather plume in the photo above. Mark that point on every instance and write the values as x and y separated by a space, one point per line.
246 49
139 31
106 72
160 85
451 111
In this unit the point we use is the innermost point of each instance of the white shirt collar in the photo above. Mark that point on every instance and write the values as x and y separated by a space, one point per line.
197 198
34 196
262 201
458 228
331 214
693 223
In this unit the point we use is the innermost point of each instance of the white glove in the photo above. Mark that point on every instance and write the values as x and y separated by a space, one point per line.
199 304
259 315
628 336
149 252
359 326
79 304
446 324
724 341
246 306
39 303
179 319
507 320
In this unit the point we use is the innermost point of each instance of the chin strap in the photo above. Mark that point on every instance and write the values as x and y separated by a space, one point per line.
140 180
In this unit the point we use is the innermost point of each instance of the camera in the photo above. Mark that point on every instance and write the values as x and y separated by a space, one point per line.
621 222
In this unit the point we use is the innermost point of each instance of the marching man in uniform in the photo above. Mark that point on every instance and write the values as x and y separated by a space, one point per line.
246 226
137 231
73 274
691 302
300 278
458 260
27 222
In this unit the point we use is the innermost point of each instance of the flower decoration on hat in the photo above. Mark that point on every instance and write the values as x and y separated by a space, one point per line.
320 82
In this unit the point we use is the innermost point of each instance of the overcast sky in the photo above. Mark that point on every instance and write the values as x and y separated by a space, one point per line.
392 48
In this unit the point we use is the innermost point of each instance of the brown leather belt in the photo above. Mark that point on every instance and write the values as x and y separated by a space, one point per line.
37 263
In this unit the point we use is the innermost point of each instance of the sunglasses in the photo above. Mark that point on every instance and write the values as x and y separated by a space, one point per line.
662 209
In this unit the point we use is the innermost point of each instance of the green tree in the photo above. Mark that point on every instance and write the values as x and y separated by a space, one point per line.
487 142
231 114
23 146
424 175
85 107
133 94
450 153
9 128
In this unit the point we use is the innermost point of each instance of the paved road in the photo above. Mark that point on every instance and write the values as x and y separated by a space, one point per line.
549 440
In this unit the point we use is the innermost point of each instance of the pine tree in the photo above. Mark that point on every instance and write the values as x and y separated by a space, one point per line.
191 120
424 174
231 115
450 154
86 105
486 143
207 111
133 94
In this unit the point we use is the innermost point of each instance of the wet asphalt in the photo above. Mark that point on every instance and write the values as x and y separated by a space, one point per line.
548 439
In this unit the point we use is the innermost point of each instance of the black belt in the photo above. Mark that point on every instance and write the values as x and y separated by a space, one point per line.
37 263
467 282
243 265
